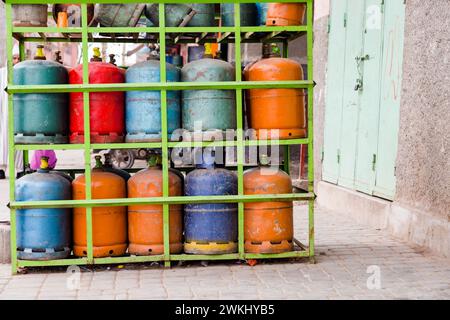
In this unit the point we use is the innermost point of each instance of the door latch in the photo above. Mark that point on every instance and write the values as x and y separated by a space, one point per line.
359 85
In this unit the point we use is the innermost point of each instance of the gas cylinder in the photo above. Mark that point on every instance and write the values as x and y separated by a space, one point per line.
248 14
285 14
268 226
213 109
143 108
106 108
204 15
109 224
40 117
73 13
177 15
119 15
145 222
210 228
279 111
43 234
108 167
262 8
29 15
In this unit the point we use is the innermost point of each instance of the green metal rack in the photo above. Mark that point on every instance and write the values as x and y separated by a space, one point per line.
162 35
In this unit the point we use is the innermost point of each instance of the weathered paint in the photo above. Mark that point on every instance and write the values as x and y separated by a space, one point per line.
269 226
109 224
29 15
204 15
40 117
119 15
43 234
215 109
145 223
175 14
249 14
262 8
360 150
285 14
210 228
107 109
281 110
143 108
73 13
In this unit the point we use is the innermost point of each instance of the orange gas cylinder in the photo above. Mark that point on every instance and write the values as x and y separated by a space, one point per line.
285 14
145 222
109 224
268 226
276 113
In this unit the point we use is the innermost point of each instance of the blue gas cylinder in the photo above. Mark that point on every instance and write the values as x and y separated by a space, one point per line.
262 8
143 108
248 14
210 228
43 234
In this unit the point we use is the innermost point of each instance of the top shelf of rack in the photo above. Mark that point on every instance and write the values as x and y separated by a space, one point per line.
174 35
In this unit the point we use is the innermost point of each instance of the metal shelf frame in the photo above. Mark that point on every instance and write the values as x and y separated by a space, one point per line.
163 35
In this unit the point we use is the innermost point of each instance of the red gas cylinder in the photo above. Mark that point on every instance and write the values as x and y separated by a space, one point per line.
107 109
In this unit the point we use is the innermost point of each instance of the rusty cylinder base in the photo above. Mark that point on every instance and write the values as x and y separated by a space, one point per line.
112 137
101 252
153 249
281 134
268 246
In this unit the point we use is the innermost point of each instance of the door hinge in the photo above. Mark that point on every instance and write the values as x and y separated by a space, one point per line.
374 162
321 156
338 156
395 171
328 26
345 20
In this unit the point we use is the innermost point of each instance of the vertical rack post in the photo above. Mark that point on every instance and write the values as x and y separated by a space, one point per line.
309 39
287 148
87 132
11 146
22 57
239 127
164 138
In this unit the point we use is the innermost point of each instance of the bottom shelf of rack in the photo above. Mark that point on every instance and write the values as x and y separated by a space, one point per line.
301 252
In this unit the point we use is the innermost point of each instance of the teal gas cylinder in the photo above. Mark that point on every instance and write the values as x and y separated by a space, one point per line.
262 8
40 117
176 14
249 14
143 108
210 109
204 15
43 234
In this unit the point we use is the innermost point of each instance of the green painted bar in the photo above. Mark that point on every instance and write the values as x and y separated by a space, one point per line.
49 147
153 1
310 40
45 30
291 254
63 262
158 86
87 133
160 200
196 257
128 259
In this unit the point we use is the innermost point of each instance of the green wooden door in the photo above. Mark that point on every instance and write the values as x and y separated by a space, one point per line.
363 81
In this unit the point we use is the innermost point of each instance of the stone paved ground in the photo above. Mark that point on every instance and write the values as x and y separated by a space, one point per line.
345 252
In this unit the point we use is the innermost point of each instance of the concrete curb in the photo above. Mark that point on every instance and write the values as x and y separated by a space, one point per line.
5 244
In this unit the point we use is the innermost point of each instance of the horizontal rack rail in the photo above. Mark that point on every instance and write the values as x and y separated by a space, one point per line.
140 1
107 87
161 200
172 257
158 145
